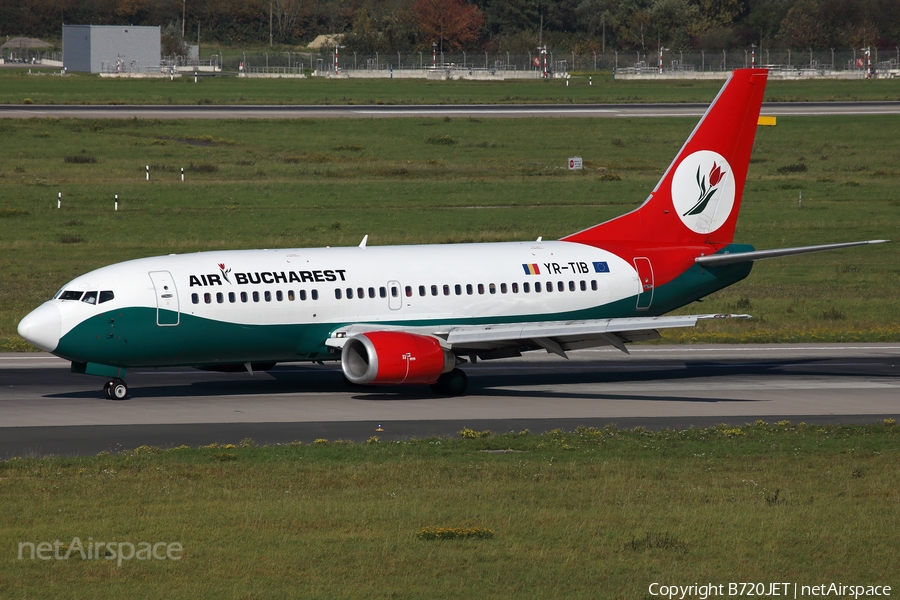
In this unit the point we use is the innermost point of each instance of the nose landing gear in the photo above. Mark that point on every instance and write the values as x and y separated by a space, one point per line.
115 389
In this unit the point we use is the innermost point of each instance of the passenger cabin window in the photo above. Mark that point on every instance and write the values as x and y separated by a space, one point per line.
231 297
492 288
434 291
195 299
421 290
409 291
314 294
106 296
515 288
458 289
394 291
256 296
220 297
469 289
583 286
302 294
502 288
207 298
268 296
594 285
361 293
561 286
90 297
525 287
71 295
382 291
446 290
243 296
337 293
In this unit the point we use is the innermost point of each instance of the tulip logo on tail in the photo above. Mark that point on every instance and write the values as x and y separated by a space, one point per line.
703 191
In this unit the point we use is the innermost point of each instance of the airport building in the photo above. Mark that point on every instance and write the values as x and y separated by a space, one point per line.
111 48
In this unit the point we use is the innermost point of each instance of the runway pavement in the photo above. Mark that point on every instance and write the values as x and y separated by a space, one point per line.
46 409
383 111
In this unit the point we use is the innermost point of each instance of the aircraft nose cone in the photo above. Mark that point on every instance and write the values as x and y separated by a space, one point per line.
42 327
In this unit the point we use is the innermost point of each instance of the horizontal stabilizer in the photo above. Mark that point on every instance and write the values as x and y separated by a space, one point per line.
720 260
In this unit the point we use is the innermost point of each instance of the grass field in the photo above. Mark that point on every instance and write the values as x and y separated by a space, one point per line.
587 514
301 183
47 87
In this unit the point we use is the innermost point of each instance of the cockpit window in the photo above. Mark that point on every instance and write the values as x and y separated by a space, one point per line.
71 295
106 296
90 297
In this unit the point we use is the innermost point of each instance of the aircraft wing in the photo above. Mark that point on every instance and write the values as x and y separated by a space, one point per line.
720 260
503 340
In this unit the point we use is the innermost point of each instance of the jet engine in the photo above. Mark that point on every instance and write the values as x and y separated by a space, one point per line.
394 357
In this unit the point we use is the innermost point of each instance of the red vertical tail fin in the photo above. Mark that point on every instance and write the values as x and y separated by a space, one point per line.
698 198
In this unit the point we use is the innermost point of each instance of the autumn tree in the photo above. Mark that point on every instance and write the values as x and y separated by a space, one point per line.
455 22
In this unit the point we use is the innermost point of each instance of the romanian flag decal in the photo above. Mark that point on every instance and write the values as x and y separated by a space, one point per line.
531 269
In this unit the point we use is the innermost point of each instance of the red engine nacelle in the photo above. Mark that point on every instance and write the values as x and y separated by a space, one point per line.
394 357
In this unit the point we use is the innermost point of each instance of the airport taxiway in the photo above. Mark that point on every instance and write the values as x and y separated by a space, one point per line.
777 109
45 408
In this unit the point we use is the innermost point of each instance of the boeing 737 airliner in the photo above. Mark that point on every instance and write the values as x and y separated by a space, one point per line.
392 318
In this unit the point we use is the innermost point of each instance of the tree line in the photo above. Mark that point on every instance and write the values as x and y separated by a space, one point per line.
492 25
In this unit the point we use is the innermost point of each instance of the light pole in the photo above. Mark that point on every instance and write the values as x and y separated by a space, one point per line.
336 69
542 50
433 54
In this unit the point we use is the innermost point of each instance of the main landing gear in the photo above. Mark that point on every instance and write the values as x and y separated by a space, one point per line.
453 383
115 389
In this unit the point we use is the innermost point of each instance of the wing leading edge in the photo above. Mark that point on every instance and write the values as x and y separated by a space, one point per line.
504 340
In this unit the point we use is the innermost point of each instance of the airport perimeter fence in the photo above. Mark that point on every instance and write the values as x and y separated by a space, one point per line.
883 62
28 56
323 62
